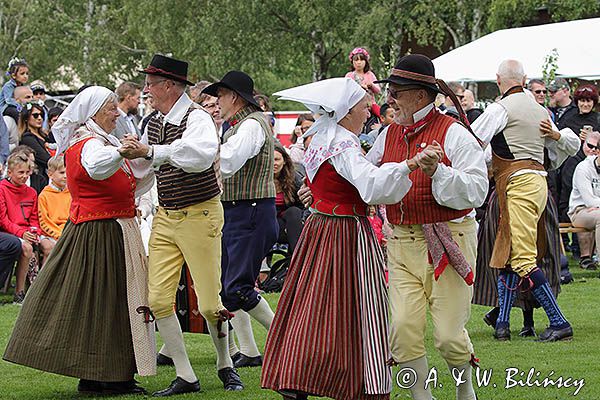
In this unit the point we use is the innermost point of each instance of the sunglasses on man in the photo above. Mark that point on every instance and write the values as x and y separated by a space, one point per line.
592 147
540 91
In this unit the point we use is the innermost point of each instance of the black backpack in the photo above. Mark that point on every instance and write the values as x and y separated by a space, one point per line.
276 278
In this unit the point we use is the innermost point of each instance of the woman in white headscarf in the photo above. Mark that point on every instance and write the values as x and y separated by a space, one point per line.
87 314
329 336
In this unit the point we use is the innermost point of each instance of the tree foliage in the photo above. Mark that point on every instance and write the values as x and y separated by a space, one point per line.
280 42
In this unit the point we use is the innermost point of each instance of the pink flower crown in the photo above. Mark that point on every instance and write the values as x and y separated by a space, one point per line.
359 50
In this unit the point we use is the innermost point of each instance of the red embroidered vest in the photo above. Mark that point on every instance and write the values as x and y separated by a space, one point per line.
418 206
93 200
334 195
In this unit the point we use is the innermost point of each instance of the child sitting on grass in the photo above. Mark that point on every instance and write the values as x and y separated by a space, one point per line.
19 215
54 202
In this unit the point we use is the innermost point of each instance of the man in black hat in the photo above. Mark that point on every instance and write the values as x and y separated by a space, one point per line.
251 227
183 145
432 251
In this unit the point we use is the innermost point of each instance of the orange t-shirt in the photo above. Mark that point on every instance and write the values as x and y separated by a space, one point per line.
53 210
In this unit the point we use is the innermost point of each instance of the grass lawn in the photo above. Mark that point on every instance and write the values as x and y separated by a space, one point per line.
577 359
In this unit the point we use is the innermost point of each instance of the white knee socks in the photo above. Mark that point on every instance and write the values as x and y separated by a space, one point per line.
243 330
233 349
464 391
170 331
262 313
221 345
420 367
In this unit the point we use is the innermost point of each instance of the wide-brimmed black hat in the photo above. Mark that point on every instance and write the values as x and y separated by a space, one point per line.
237 81
168 67
413 69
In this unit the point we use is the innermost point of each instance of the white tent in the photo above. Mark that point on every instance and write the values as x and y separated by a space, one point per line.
575 41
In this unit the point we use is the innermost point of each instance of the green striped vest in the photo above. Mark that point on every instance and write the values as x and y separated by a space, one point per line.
255 179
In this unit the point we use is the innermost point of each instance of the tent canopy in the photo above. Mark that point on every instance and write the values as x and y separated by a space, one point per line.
478 61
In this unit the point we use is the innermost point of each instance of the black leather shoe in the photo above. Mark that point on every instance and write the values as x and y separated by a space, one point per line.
502 334
90 387
230 378
178 386
554 335
161 359
527 331
491 317
245 361
236 357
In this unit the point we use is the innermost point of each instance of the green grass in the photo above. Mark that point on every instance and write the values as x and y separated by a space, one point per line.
577 359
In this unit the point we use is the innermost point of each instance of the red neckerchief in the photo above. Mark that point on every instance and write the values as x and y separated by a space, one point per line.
407 130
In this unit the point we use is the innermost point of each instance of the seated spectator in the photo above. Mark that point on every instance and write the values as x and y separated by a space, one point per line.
33 136
19 215
300 144
584 203
35 180
289 206
468 105
54 202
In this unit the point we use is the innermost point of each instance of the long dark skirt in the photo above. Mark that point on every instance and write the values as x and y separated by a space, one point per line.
74 319
329 335
486 279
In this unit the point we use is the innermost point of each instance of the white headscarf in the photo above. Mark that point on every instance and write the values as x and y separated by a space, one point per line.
83 107
332 98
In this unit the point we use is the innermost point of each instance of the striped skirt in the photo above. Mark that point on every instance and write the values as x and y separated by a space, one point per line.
486 278
330 332
75 319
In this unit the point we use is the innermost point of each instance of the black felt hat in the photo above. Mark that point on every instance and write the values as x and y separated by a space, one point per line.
237 81
168 67
413 69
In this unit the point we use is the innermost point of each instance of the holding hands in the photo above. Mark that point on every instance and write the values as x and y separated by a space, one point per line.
548 132
427 159
132 148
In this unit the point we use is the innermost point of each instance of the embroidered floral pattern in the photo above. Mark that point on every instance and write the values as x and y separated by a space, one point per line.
314 157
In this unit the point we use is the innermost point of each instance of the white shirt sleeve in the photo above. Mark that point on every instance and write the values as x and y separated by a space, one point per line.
195 151
492 121
583 181
559 150
100 161
144 175
465 184
241 147
387 184
376 153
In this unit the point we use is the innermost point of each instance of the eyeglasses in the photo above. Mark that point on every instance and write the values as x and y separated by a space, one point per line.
37 115
394 93
460 96
150 84
540 91
592 147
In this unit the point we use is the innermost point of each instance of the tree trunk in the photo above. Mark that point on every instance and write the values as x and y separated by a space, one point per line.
86 42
